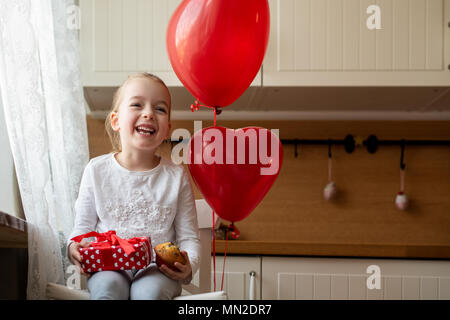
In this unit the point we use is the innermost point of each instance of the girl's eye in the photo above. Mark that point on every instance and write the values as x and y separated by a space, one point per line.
135 105
162 109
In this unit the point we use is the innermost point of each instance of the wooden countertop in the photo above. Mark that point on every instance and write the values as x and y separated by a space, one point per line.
13 232
333 249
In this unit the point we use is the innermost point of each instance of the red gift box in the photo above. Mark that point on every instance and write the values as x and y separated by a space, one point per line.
110 252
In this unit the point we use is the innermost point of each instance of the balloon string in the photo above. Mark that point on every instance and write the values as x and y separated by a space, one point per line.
195 106
402 180
224 258
214 251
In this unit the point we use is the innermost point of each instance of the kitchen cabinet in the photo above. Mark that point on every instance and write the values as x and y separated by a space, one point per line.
239 271
119 38
305 278
122 37
298 278
311 43
328 43
242 280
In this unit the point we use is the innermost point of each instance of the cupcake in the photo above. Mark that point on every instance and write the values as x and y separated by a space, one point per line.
168 253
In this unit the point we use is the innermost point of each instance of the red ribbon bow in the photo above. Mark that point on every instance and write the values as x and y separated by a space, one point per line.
234 231
111 239
196 105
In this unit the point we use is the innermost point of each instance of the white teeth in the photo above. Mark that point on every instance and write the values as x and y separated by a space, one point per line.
145 130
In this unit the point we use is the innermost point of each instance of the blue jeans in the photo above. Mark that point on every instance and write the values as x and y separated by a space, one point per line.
144 284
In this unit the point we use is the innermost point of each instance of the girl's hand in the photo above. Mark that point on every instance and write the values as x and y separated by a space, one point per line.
185 269
75 255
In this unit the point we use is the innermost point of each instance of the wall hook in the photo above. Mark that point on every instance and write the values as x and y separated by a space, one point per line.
401 200
349 143
329 192
372 143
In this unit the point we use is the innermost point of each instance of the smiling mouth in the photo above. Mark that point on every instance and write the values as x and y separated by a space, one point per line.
145 131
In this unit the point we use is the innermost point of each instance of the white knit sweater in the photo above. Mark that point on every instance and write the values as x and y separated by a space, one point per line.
158 203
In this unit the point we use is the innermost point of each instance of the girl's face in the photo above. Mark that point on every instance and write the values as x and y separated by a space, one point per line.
142 118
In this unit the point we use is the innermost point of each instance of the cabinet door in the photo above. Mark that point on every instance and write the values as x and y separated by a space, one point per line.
237 278
328 42
121 37
349 279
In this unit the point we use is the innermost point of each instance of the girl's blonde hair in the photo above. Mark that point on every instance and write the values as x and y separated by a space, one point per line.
114 136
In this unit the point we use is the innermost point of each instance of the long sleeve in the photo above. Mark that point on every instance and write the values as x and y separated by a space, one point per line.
186 225
85 212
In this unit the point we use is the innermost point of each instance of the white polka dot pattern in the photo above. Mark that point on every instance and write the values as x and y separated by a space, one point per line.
114 258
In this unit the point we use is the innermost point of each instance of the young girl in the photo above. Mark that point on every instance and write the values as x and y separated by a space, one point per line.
138 193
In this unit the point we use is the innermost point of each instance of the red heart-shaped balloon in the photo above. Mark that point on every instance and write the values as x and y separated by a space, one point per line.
234 169
217 47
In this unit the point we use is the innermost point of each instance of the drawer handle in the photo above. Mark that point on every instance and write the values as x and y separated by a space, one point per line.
251 294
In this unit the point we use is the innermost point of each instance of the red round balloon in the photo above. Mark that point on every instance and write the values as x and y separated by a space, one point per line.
217 47
234 181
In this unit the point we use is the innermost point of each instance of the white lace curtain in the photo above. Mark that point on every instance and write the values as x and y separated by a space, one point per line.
45 116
